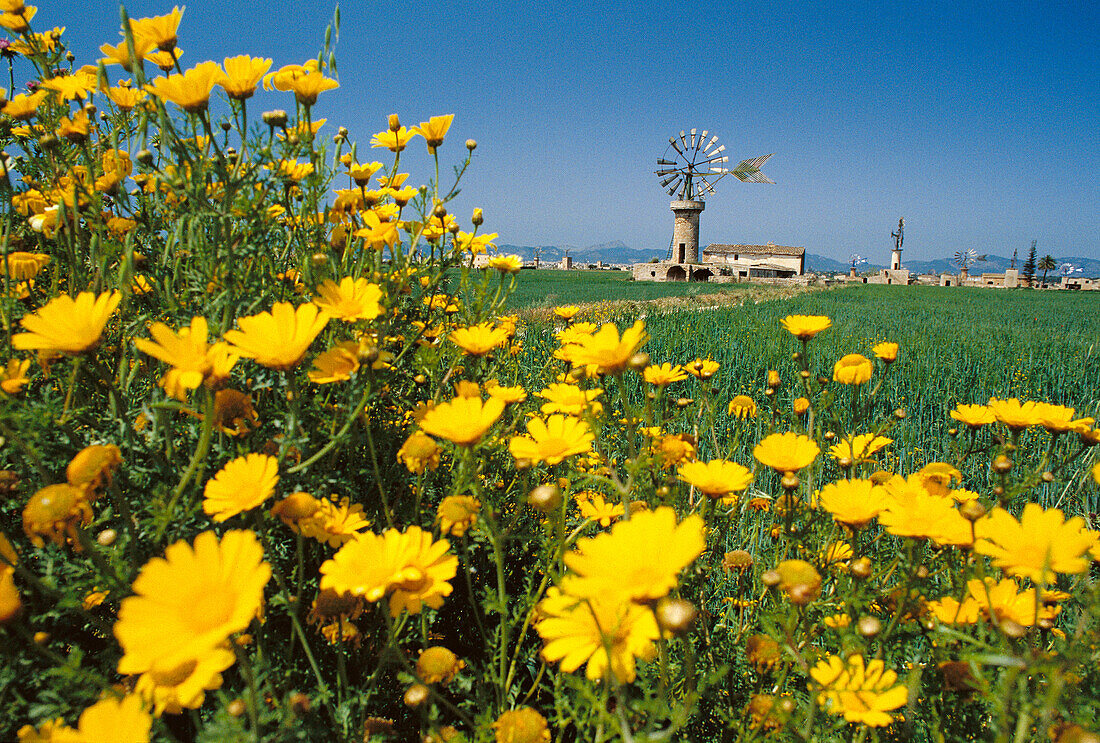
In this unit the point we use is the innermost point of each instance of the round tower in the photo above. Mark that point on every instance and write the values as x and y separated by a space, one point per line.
685 233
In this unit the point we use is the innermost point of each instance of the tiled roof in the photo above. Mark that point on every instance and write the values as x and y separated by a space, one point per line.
755 249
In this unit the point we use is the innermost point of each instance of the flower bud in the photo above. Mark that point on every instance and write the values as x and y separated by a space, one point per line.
801 405
236 708
899 414
972 510
416 695
683 402
771 578
675 616
773 378
545 498
860 568
869 626
144 157
1002 465
48 143
226 126
478 217
106 537
439 212
639 361
1013 629
300 703
275 118
471 144
394 122
420 380
319 259
1048 476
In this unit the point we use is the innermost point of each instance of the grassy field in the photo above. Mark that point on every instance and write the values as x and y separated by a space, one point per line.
957 346
545 288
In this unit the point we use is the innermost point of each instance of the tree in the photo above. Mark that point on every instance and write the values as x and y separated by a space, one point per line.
1029 265
1046 263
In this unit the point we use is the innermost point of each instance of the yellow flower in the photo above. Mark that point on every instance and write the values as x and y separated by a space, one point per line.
912 511
410 565
853 369
335 524
394 141
673 449
120 53
240 485
853 502
663 375
475 244
295 509
1059 419
126 98
192 358
433 130
567 312
438 665
605 351
479 340
278 339
74 87
1003 600
190 601
859 447
786 452
18 22
24 266
50 731
463 420
507 395
310 85
716 478
624 563
191 90
605 632
173 690
1015 414
242 74
24 106
281 78
506 263
593 506
552 440
13 376
937 478
419 453
1037 546
862 693
160 30
56 512
805 327
702 368
888 352
93 467
570 399
67 326
522 725
378 232
456 514
350 300
974 416
742 406
123 720
337 364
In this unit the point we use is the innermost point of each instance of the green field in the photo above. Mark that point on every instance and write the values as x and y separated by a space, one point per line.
957 346
543 288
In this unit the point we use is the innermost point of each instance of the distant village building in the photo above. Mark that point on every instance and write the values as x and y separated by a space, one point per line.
729 263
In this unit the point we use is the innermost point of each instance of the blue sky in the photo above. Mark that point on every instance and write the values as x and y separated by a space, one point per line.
977 122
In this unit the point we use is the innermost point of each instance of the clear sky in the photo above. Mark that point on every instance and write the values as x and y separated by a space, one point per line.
977 122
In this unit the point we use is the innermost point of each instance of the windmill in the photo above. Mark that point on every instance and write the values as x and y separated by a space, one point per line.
855 259
963 259
688 171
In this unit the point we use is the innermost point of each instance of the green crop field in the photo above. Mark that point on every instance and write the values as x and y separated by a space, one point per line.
957 346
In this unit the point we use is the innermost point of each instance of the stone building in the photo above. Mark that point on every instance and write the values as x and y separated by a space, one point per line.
727 263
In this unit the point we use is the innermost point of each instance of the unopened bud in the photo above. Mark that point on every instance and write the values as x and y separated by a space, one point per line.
394 122
41 638
275 118
639 361
319 259
771 578
1012 629
972 510
439 212
675 616
416 695
236 708
342 132
899 414
683 402
144 157
545 498
106 537
773 378
471 144
49 143
1002 465
922 572
869 626
790 481
226 126
300 703
478 217
90 109
1048 476
420 380
860 568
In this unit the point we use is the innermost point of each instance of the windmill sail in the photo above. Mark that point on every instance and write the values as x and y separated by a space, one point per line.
748 171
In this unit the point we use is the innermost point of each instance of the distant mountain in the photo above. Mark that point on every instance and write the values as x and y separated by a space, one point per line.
610 252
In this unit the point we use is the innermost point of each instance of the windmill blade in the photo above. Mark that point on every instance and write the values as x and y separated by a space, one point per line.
666 181
683 140
693 138
663 161
661 173
716 159
719 170
675 146
748 171
713 141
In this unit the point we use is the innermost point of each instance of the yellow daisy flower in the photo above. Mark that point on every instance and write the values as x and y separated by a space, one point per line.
716 478
463 420
278 339
68 326
805 327
552 440
786 452
350 300
241 485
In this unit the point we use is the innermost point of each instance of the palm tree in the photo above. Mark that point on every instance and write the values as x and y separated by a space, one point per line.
1046 263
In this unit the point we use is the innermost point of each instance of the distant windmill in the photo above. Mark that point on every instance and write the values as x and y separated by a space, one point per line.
692 164
855 259
964 259
1068 269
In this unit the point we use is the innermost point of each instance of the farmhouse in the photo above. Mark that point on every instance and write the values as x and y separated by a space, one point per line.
729 263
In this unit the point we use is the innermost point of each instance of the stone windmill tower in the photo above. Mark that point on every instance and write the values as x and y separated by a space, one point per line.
690 167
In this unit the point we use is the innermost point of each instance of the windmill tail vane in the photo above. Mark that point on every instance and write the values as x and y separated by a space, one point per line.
748 171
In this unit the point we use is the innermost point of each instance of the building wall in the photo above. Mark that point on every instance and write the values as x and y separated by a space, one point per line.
742 261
